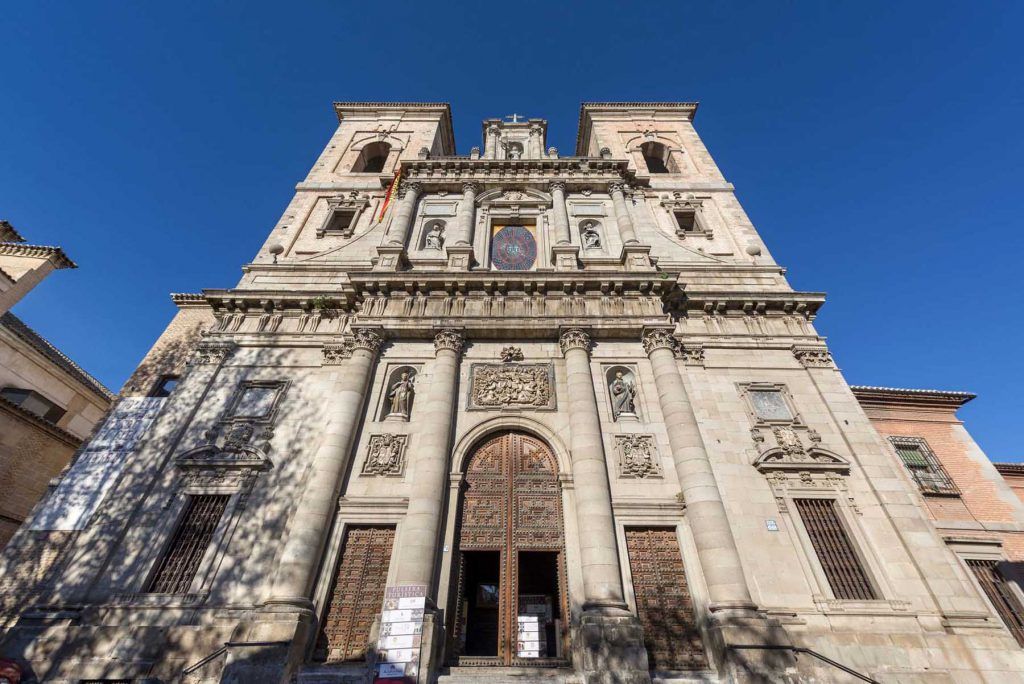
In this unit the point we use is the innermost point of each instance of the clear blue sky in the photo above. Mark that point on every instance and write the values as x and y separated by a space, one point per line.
877 146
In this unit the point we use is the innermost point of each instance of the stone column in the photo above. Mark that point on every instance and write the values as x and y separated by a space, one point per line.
314 512
398 231
602 579
467 214
719 558
491 143
421 529
622 218
562 236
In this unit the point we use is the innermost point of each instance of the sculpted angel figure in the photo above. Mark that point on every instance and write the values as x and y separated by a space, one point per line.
401 394
623 395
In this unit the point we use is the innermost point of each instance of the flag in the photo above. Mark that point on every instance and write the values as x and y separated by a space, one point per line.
390 193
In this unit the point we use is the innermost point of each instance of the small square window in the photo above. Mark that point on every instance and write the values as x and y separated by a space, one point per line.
340 221
164 386
686 221
770 405
255 402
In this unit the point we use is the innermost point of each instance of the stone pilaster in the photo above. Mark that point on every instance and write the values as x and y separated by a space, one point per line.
417 546
398 231
460 251
562 236
296 572
622 217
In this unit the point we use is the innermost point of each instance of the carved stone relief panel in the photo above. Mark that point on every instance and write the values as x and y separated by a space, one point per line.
385 455
507 386
638 456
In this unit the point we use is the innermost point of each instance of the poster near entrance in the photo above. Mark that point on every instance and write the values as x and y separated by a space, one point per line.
401 632
510 605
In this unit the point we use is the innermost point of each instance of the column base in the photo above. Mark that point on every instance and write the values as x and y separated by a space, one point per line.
610 650
269 647
750 647
565 257
637 257
460 257
391 258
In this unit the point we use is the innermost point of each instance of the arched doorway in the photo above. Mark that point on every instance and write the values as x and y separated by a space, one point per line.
510 603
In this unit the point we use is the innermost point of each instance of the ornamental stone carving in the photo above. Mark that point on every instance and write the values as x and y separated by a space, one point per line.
406 187
334 354
622 389
210 352
659 338
813 357
693 354
385 455
574 338
449 339
494 387
510 354
616 186
401 393
556 185
638 456
365 338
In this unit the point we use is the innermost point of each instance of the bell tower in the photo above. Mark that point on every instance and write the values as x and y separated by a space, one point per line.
515 139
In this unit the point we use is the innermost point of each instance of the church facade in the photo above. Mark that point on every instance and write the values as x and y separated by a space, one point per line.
514 413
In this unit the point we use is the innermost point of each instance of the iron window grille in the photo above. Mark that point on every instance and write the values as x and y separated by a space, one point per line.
1000 593
180 562
838 558
924 467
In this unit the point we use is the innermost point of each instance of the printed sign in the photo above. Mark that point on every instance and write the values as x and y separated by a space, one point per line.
401 630
98 466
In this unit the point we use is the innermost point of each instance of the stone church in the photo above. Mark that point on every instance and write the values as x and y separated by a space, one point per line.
514 415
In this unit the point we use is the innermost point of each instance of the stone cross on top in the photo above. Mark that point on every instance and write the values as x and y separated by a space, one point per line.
514 117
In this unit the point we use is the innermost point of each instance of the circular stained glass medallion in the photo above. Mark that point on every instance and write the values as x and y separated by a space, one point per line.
513 249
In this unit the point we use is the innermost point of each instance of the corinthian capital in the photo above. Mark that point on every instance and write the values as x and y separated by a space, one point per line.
406 187
365 338
557 185
659 338
616 186
449 339
574 338
471 187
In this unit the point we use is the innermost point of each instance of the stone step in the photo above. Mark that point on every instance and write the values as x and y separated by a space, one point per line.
510 675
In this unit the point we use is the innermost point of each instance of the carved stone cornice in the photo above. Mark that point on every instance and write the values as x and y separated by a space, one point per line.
368 339
574 338
211 352
449 339
54 254
813 357
659 338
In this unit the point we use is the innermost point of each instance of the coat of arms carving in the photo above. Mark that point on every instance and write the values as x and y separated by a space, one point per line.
385 455
512 387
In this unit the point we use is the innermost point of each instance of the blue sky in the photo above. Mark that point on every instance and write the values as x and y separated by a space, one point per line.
876 146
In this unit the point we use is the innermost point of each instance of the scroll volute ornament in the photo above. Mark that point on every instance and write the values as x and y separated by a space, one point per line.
574 338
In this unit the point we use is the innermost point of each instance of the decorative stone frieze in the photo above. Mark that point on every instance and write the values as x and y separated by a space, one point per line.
813 357
385 455
574 338
638 456
211 352
449 339
334 354
496 387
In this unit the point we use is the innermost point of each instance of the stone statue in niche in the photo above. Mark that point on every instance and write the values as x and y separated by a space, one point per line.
435 237
400 395
623 393
591 236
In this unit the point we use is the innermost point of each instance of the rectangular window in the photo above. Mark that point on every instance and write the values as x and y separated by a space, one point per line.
164 386
180 562
256 401
33 402
835 552
340 221
924 466
1000 593
770 405
686 221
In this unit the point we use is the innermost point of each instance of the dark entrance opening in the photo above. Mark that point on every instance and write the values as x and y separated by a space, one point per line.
539 619
480 601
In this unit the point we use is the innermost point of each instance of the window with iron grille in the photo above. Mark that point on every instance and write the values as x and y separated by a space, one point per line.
924 467
836 554
1001 594
180 561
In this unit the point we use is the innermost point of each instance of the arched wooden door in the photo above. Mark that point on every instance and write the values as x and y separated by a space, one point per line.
510 604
